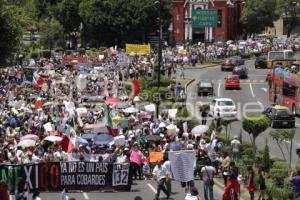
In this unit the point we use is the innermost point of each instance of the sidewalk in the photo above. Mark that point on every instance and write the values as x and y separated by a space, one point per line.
201 66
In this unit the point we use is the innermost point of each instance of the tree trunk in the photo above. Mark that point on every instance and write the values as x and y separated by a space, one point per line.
291 148
254 150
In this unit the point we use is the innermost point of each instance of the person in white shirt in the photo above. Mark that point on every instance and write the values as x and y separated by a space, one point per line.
208 172
167 165
160 174
235 145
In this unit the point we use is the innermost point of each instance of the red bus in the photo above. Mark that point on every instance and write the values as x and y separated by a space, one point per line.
284 84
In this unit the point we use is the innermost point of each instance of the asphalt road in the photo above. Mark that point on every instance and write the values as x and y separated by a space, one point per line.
145 189
252 97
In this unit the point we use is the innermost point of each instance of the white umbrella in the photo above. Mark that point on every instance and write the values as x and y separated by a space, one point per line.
199 130
26 143
172 129
131 110
53 138
103 139
150 108
30 137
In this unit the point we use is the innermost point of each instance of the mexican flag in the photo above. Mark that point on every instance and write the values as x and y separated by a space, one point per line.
113 131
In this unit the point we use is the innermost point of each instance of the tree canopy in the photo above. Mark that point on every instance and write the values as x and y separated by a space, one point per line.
259 14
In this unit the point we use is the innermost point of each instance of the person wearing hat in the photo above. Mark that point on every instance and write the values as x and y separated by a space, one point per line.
193 194
235 145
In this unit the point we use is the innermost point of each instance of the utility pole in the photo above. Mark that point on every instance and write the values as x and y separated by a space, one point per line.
159 54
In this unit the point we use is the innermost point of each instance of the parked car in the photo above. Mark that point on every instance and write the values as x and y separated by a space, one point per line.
225 106
232 82
241 71
261 62
232 62
205 88
280 116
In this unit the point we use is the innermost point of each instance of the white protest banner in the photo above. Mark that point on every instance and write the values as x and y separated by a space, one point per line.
48 127
182 165
185 127
172 113
70 107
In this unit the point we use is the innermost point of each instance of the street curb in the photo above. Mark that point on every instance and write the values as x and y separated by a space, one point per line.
188 83
202 67
243 195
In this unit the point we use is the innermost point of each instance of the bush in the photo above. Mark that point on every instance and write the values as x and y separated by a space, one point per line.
58 49
183 113
246 56
193 122
69 52
81 51
257 54
278 172
101 49
46 53
277 193
34 55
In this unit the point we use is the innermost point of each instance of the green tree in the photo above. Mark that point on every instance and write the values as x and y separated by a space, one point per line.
286 137
227 123
266 156
254 125
259 14
51 33
290 10
12 25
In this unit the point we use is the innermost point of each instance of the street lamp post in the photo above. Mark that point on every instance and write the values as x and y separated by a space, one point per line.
159 53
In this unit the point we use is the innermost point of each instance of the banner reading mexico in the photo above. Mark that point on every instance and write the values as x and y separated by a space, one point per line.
57 176
139 49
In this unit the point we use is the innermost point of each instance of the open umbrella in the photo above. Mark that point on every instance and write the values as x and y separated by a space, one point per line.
153 138
30 137
199 130
27 143
81 141
131 110
88 136
103 139
53 138
112 101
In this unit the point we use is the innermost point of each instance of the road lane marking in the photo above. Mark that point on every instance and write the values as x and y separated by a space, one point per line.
264 89
219 89
85 196
251 89
152 188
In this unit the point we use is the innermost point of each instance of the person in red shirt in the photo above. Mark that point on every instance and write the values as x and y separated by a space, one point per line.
3 191
232 188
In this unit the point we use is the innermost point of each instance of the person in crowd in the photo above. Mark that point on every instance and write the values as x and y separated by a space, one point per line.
250 182
167 165
262 175
160 174
295 181
208 172
235 145
136 159
225 166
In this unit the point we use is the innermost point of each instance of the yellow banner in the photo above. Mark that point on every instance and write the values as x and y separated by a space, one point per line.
139 49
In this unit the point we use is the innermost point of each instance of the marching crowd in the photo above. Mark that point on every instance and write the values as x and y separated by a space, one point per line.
51 112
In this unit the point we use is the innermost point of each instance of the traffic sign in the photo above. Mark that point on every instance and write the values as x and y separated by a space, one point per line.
204 18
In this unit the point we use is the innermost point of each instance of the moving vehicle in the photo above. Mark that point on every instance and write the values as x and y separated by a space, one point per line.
205 88
261 62
224 106
241 71
280 117
232 82
232 62
279 55
284 87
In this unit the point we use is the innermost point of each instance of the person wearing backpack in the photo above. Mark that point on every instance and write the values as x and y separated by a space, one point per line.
208 172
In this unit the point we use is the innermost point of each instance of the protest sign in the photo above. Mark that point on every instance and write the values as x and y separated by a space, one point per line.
156 157
139 49
67 175
182 165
